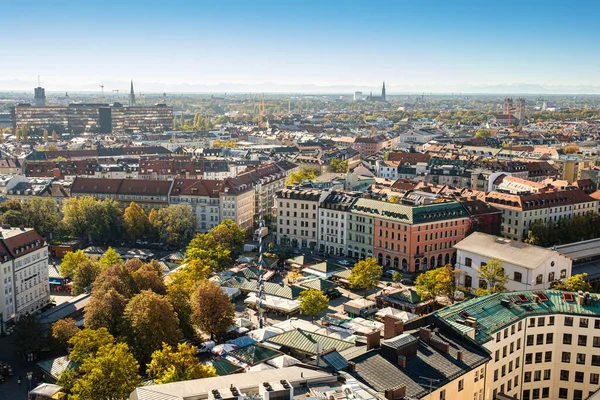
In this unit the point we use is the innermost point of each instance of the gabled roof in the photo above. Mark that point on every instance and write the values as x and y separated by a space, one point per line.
305 341
224 367
254 354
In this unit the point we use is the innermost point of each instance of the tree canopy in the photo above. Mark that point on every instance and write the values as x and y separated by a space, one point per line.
435 282
483 133
211 309
175 225
63 330
206 248
171 364
365 274
228 234
135 221
313 302
86 217
110 258
494 276
574 283
301 176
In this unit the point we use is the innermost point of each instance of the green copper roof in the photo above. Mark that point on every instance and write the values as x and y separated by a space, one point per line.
305 341
492 316
224 367
409 214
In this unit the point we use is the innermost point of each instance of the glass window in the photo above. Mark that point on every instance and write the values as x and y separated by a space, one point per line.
567 338
547 373
568 321
594 378
579 376
563 393
550 321
548 356
582 340
564 375
583 322
549 338
580 358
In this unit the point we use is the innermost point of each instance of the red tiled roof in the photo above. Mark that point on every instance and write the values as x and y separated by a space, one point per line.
95 185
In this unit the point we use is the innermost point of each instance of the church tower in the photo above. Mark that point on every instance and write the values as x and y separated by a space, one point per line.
131 96
383 91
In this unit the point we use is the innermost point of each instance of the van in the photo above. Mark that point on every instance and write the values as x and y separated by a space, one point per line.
206 347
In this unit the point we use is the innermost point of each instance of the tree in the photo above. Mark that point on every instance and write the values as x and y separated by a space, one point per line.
41 214
365 274
45 135
571 149
12 218
228 234
396 276
174 224
483 133
110 258
575 283
135 221
205 247
292 276
313 302
86 343
110 375
338 166
71 262
493 275
86 217
174 365
105 310
63 330
435 282
27 334
85 275
211 309
301 176
179 290
152 322
54 135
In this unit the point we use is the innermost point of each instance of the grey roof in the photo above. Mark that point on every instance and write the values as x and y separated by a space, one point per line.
334 360
580 250
379 373
409 214
305 341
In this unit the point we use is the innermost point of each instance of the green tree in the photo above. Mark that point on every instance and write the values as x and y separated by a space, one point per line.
365 274
338 166
205 247
435 282
71 262
41 214
313 302
301 176
12 218
174 224
105 310
174 365
396 276
493 275
27 334
110 258
483 133
63 330
86 343
135 221
212 311
110 375
86 217
228 234
152 322
85 275
576 283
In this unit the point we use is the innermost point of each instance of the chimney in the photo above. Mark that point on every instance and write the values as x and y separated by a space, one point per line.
536 298
440 345
351 366
459 356
392 327
402 361
373 340
425 335
581 298
399 392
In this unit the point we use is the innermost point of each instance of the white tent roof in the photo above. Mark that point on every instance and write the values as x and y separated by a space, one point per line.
265 333
283 361
260 367
394 312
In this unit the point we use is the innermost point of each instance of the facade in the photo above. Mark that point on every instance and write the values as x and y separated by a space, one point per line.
415 237
203 197
334 212
526 266
237 204
296 216
571 166
387 169
23 272
543 343
519 211
359 234
367 145
265 180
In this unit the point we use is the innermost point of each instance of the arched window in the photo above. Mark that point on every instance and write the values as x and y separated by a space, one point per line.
447 259
387 260
417 265
380 259
404 264
396 261
432 262
439 260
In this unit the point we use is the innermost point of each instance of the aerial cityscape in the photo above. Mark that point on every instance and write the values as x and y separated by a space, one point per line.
298 201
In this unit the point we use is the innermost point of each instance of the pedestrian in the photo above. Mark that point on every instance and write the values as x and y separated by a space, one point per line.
19 380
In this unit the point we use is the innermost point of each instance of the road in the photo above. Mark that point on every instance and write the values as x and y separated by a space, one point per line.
11 390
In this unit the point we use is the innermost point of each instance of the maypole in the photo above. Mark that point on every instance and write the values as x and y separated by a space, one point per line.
261 294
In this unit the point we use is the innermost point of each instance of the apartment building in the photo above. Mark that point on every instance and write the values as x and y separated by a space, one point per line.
415 237
203 197
265 180
571 166
334 213
359 233
519 211
237 203
23 273
526 266
296 215
544 344
367 145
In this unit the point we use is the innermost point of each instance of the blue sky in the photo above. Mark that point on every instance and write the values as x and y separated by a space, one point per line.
409 43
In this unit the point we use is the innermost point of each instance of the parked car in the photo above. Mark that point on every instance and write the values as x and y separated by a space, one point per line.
206 347
406 282
344 262
389 273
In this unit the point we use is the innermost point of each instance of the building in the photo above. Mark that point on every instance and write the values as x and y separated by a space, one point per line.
571 166
203 197
378 98
527 267
237 203
367 145
414 237
131 96
409 158
39 97
483 217
265 179
543 343
24 273
334 212
296 216
421 136
358 96
387 169
359 233
519 211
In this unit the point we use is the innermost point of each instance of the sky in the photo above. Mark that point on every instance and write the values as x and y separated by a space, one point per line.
449 45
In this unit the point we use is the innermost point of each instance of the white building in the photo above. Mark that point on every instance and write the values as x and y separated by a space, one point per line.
387 169
334 212
526 266
23 272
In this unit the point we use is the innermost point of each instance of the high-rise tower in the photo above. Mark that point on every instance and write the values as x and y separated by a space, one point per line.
131 96
39 97
383 91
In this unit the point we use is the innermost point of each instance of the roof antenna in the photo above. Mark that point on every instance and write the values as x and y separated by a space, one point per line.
39 82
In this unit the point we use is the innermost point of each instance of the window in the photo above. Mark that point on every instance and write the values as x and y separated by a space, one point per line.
498 337
539 340
520 326
504 352
583 322
597 324
518 277
580 358
517 362
582 340
468 262
539 279
527 377
529 340
563 273
528 358
550 321
547 373
549 338
567 338
541 321
519 343
563 393
548 356
594 378
503 371
443 395
526 394
461 385
495 375
596 341
497 355
535 394
516 381
577 394
537 376
512 347
545 392
538 357
568 321
579 377
564 375
595 361
531 322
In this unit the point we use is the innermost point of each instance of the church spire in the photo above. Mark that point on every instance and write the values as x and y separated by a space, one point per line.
383 91
131 96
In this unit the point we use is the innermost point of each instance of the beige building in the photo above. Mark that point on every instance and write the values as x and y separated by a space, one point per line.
544 344
296 216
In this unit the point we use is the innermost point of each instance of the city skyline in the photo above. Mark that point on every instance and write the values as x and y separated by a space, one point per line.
310 47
